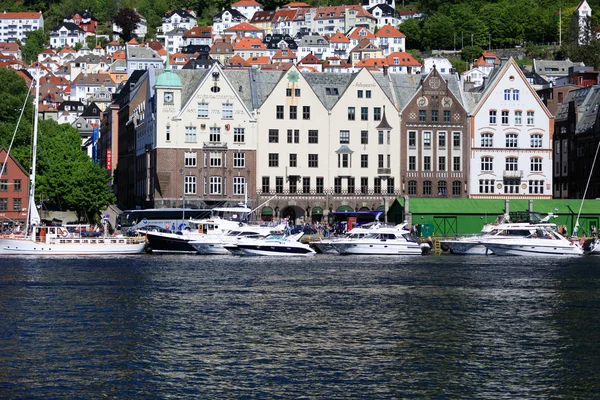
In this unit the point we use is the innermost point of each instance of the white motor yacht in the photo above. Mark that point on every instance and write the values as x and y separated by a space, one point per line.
382 241
541 242
222 221
272 245
325 245
472 245
215 244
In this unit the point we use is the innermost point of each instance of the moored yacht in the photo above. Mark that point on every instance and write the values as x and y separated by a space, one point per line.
541 242
215 244
382 241
272 245
222 220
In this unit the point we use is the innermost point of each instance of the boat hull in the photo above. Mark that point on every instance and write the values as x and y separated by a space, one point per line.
379 249
169 243
270 250
212 248
80 246
534 250
466 248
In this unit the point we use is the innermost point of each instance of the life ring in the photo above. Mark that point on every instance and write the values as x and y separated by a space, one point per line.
64 232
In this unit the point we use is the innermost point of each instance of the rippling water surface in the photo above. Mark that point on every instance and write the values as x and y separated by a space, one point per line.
329 327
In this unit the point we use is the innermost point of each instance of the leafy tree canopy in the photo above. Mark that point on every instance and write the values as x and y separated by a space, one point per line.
65 174
35 43
128 20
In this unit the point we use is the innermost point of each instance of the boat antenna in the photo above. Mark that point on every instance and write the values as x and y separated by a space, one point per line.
586 189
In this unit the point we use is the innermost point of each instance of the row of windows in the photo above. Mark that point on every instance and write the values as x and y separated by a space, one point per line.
510 186
427 136
226 110
412 163
511 164
512 140
344 160
191 136
364 113
319 187
214 159
517 120
293 112
17 204
427 188
435 116
214 185
16 184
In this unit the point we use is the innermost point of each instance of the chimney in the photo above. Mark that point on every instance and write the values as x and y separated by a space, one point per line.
385 70
469 86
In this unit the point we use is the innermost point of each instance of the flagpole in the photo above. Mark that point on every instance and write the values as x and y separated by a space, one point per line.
559 27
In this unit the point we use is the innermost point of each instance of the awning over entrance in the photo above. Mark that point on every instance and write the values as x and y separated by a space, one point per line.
344 209
317 211
266 211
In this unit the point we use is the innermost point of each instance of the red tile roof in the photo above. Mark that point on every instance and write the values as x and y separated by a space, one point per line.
20 15
246 3
389 31
339 38
250 43
243 26
309 59
361 33
259 60
199 31
404 59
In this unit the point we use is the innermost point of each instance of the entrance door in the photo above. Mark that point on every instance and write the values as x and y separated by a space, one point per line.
445 226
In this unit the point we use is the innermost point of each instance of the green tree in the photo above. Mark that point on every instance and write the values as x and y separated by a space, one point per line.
438 32
13 92
66 176
412 29
35 42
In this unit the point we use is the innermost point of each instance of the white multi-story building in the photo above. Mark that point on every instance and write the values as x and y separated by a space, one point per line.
442 64
583 18
511 145
205 138
226 19
247 8
15 25
66 34
389 40
364 157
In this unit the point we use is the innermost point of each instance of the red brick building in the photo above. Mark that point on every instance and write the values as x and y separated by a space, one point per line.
14 184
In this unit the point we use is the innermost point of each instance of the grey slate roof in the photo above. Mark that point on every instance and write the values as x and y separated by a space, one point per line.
320 82
553 67
590 113
141 53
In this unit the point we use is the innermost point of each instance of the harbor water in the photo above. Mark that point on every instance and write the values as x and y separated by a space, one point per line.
327 327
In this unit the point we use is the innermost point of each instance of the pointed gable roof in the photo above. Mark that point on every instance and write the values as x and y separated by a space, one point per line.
364 45
361 33
339 38
495 78
289 54
309 59
404 59
243 26
237 62
389 31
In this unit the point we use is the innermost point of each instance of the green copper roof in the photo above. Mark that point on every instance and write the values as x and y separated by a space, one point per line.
168 78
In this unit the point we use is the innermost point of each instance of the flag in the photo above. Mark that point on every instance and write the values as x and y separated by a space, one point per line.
556 14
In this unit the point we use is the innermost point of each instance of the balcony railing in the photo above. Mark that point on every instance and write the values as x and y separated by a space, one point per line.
332 192
384 171
513 174
215 145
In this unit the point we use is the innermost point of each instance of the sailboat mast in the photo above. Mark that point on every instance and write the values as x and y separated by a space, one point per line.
32 205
